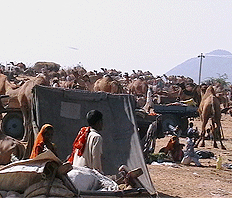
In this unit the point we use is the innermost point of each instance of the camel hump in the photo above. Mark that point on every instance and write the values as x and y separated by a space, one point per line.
106 84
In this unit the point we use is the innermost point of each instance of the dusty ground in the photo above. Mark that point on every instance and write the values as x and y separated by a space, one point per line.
190 181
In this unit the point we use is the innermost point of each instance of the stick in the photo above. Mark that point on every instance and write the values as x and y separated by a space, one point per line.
222 133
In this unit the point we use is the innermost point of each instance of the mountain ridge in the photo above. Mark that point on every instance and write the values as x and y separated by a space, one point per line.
214 63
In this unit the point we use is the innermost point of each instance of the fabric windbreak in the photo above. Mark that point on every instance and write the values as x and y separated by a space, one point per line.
66 110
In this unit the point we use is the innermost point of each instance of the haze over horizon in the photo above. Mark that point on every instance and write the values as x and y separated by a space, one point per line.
152 35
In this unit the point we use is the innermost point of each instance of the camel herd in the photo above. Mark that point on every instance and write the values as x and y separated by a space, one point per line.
162 90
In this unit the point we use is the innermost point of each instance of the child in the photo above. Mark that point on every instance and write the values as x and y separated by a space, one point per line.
189 154
191 131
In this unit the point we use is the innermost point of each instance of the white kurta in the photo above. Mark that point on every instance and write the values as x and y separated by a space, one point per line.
92 154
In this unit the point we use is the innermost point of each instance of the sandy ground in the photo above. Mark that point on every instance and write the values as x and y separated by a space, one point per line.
177 180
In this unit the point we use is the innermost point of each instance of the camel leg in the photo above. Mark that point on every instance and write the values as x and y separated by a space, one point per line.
2 109
200 138
27 132
24 112
214 134
219 134
222 134
203 138
198 141
204 122
26 122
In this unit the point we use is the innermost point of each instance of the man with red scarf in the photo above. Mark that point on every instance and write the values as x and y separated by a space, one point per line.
87 147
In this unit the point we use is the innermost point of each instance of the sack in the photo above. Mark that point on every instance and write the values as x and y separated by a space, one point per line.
18 176
57 189
204 154
85 179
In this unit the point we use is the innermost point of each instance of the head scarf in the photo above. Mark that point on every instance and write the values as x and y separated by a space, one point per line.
39 142
79 143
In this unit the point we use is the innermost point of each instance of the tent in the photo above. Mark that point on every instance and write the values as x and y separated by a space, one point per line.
66 109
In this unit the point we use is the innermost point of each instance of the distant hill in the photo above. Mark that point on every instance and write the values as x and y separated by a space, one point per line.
214 63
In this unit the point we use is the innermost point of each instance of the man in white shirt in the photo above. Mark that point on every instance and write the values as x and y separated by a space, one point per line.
87 148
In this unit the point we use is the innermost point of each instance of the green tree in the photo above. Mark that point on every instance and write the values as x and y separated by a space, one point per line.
222 79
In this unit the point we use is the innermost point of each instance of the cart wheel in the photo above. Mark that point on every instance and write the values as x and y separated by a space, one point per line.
12 125
169 119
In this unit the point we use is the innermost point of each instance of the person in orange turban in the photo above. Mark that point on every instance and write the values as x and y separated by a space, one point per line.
43 141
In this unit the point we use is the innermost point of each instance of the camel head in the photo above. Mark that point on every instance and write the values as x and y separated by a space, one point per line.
203 88
41 79
181 85
86 78
209 91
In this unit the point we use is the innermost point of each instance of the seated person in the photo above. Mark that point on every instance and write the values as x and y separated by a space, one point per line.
189 154
43 141
192 132
208 134
174 149
87 147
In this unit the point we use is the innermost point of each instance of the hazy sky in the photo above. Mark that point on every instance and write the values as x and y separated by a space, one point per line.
154 35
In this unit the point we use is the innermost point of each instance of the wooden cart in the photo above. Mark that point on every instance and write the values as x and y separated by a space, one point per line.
12 119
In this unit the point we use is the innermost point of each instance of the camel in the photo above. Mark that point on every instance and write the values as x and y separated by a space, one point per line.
5 85
78 81
23 95
107 84
10 148
138 87
93 77
210 108
223 99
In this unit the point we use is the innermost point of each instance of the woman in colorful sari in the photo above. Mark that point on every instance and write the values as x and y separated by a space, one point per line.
43 141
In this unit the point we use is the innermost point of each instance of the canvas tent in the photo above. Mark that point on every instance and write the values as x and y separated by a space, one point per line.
66 111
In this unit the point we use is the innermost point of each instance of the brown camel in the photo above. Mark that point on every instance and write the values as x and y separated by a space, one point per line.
223 99
107 84
210 108
23 95
78 81
5 85
9 146
138 87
